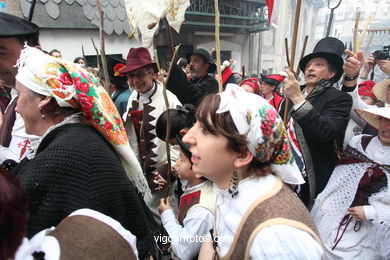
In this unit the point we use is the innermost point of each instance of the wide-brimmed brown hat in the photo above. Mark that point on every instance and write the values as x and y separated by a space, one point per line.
373 115
138 58
381 89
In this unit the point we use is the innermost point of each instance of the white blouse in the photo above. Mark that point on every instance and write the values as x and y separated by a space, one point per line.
274 242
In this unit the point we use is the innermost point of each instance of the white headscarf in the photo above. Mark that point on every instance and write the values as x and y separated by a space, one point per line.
267 138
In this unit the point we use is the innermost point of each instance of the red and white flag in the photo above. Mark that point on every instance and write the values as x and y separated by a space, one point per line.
273 9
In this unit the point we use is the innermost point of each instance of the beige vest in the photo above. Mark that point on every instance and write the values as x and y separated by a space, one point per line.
279 206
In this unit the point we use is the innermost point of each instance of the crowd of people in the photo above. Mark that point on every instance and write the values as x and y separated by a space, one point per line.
267 169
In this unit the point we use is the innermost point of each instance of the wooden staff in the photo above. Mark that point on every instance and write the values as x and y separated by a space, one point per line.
98 62
83 53
331 17
302 54
293 48
102 50
168 133
287 55
217 45
368 44
356 31
31 13
363 33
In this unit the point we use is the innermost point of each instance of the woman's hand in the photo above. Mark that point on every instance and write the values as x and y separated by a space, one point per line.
358 213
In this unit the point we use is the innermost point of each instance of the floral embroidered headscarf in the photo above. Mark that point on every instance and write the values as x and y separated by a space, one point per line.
73 86
267 138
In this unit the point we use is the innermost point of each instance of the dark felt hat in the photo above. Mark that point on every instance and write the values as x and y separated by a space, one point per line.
115 66
332 50
206 55
138 58
273 79
13 26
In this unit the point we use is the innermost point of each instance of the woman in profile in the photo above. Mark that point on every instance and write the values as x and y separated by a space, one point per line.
239 142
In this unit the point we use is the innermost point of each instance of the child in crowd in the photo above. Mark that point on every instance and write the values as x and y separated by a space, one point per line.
182 118
196 210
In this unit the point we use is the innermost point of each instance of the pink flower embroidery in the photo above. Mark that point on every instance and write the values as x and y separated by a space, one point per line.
271 115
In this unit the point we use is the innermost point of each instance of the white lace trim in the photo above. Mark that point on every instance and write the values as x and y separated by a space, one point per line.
331 205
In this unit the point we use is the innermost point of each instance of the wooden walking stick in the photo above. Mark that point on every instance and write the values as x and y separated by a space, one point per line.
98 61
368 44
168 132
363 34
293 48
287 55
217 45
102 47
356 31
302 54
83 53
31 12
331 17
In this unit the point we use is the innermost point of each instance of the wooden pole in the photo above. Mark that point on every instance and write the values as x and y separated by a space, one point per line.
293 49
287 55
356 31
102 47
363 33
98 62
368 44
217 45
31 13
83 53
302 54
168 132
331 17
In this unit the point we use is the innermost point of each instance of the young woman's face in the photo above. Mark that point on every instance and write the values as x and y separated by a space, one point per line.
211 156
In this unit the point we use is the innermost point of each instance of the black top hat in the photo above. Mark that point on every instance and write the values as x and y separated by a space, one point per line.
12 26
206 55
332 50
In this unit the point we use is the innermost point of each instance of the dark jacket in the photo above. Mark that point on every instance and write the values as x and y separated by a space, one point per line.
321 120
190 91
74 168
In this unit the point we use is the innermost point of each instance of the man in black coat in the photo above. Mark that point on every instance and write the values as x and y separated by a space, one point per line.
193 90
318 116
